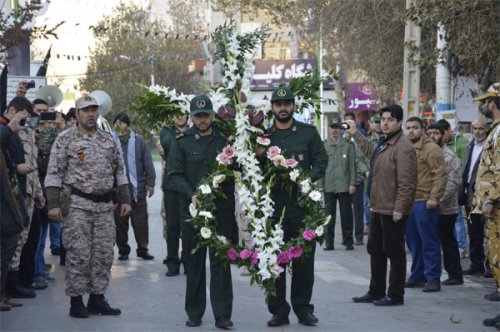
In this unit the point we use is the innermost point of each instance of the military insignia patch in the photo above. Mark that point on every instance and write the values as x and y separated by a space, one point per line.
81 155
281 93
200 104
102 139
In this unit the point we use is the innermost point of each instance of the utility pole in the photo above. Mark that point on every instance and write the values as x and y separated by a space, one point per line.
411 72
444 100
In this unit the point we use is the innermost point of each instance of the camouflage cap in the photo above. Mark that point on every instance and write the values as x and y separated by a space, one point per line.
493 91
282 93
201 104
85 101
375 118
334 123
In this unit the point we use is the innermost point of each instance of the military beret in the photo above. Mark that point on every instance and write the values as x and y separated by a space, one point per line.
282 93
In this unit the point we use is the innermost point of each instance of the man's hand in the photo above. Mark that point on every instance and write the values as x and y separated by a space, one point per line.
15 122
125 210
194 200
352 189
21 89
431 204
150 190
55 214
40 201
397 216
352 127
24 169
488 210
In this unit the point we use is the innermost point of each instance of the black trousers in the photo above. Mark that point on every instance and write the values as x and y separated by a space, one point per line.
27 259
387 241
346 219
449 245
139 220
172 210
8 244
475 227
358 206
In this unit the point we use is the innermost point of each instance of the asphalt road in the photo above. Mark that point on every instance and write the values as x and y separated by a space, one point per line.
152 302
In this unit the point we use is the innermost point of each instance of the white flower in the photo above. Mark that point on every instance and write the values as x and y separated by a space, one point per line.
315 195
327 219
222 239
305 186
206 214
320 230
192 210
205 232
294 175
205 189
218 179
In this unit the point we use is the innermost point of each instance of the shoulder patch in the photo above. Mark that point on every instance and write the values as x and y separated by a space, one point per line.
179 135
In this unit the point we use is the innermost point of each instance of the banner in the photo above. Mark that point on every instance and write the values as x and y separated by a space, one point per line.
360 97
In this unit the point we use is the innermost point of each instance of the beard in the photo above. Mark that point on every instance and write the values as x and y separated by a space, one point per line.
414 139
486 112
203 130
280 117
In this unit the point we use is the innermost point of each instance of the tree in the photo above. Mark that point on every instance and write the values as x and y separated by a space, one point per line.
17 27
472 30
130 48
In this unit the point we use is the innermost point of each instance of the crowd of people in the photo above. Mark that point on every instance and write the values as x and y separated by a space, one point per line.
402 183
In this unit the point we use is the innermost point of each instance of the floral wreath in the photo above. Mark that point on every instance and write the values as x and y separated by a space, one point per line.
244 122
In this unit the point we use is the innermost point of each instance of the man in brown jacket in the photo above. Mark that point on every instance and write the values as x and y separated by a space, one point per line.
422 235
391 187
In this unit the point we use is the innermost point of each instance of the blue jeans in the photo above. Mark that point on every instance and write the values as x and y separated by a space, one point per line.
366 202
422 238
55 235
40 252
460 230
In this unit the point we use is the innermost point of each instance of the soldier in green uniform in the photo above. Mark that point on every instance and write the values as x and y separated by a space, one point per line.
302 142
190 159
171 197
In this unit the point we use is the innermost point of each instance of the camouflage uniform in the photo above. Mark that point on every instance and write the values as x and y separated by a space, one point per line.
91 164
33 190
487 188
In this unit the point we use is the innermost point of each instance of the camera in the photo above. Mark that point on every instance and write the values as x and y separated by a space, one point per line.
32 121
29 84
344 126
48 116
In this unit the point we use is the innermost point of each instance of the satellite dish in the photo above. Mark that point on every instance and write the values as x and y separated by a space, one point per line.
103 100
51 94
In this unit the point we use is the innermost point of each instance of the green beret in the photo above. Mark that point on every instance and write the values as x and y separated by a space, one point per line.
282 93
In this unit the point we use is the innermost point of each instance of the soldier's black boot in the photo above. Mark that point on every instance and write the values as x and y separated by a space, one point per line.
98 305
78 309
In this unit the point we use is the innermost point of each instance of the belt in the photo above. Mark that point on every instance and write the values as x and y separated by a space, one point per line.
102 198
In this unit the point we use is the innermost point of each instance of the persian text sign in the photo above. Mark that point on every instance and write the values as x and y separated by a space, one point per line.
269 74
360 97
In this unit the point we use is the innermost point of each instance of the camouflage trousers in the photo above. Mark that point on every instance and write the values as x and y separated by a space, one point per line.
23 236
89 238
492 234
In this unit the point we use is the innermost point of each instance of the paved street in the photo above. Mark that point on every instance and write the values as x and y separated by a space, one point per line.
152 302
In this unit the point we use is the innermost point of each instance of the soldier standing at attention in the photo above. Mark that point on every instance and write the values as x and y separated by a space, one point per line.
171 197
84 164
190 159
302 142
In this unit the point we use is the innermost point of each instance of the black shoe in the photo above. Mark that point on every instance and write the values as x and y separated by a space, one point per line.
193 322
453 281
472 272
349 247
387 301
98 305
308 319
123 258
165 261
223 323
491 321
495 297
487 274
172 273
367 298
20 292
414 284
432 287
146 256
78 309
278 321
56 251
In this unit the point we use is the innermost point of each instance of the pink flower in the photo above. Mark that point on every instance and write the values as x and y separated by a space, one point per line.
273 152
279 160
229 151
291 163
255 258
284 257
296 252
263 141
232 254
309 234
245 253
280 270
222 158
